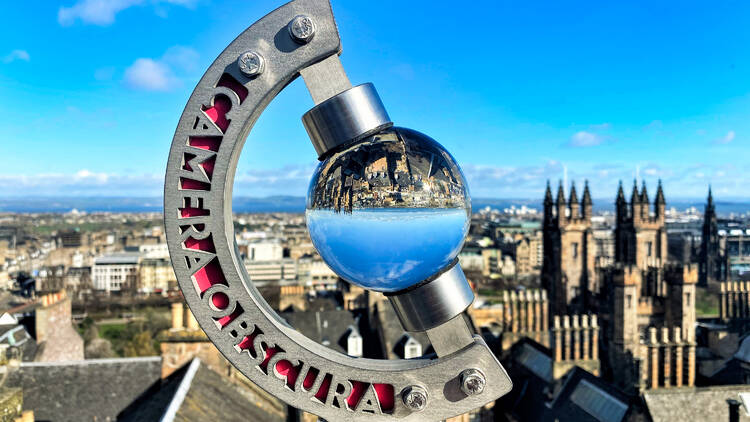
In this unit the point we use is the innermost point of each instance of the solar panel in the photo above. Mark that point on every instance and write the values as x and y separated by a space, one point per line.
598 403
536 362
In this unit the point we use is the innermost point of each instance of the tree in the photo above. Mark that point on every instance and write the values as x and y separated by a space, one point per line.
142 344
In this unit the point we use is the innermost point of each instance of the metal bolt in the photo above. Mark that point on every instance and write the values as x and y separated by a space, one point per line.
472 382
251 63
415 398
302 29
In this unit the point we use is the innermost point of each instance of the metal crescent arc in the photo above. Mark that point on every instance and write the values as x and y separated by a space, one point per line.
198 218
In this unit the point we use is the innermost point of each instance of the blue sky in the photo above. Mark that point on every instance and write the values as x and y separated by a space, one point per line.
517 91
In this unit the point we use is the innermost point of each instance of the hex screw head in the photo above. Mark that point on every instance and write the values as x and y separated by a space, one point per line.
251 63
415 398
302 29
472 382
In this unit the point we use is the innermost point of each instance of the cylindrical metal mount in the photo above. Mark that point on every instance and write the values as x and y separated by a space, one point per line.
433 302
345 118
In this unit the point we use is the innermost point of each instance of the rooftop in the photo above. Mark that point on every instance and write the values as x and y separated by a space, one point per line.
97 389
694 404
122 258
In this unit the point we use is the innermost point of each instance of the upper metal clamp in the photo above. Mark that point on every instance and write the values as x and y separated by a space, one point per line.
346 118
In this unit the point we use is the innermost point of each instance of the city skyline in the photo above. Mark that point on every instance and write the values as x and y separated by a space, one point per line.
609 92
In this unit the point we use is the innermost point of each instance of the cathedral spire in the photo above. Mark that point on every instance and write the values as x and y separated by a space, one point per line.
560 194
635 198
710 197
573 196
587 194
644 194
620 194
660 195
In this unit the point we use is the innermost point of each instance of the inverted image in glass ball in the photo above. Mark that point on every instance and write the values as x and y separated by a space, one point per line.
388 212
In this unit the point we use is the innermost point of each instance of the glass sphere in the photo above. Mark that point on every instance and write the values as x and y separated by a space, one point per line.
388 211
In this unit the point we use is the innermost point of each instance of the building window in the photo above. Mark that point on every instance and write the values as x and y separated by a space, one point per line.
575 250
649 249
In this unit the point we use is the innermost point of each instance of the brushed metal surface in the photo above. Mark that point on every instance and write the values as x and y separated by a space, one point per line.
200 235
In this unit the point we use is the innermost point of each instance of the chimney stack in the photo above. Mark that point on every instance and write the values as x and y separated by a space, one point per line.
734 410
585 335
177 316
192 323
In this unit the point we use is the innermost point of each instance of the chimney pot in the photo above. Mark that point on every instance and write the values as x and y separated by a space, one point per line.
652 336
177 316
734 410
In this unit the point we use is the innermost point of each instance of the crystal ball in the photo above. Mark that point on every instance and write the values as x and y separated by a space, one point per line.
390 211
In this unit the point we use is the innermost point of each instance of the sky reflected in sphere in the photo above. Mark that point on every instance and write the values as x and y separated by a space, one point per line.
389 211
388 249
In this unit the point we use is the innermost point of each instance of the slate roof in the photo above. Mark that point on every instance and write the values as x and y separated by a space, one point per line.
586 397
85 390
694 404
393 335
195 393
328 328
580 396
120 258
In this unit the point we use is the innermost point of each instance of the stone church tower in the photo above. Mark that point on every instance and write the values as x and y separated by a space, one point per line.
569 253
651 317
713 264
640 235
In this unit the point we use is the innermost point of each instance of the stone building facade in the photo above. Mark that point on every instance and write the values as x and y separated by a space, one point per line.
518 315
652 337
640 232
568 270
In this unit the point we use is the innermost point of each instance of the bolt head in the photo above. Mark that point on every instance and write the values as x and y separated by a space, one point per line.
251 63
415 398
302 29
472 382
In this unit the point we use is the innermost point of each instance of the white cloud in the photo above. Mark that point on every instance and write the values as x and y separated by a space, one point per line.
14 55
586 139
288 180
148 74
729 137
680 181
97 12
103 12
179 57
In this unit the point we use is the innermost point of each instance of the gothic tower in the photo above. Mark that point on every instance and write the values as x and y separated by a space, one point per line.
640 235
713 268
568 269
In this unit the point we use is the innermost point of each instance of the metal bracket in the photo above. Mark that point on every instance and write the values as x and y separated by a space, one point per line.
198 218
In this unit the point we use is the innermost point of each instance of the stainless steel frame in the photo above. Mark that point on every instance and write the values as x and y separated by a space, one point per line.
198 218
433 302
346 118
